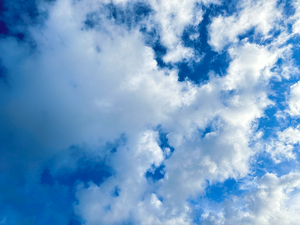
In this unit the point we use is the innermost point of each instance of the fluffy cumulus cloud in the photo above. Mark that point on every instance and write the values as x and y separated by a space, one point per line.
260 16
272 202
116 112
293 100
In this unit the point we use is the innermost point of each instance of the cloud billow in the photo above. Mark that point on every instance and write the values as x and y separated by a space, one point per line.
149 112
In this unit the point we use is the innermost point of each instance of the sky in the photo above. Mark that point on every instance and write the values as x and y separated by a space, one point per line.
153 112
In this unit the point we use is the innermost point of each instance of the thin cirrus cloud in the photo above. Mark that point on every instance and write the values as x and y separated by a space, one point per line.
149 112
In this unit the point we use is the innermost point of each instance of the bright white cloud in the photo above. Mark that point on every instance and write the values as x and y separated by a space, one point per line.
261 15
296 17
293 101
273 202
283 146
173 17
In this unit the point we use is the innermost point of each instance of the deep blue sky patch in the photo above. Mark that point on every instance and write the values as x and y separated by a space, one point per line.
220 191
211 61
155 173
89 172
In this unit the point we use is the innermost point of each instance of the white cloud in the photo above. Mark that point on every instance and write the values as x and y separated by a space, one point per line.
273 202
284 145
90 86
221 154
261 15
293 101
296 17
173 17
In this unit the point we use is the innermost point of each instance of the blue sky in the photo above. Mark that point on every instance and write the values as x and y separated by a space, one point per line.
149 112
